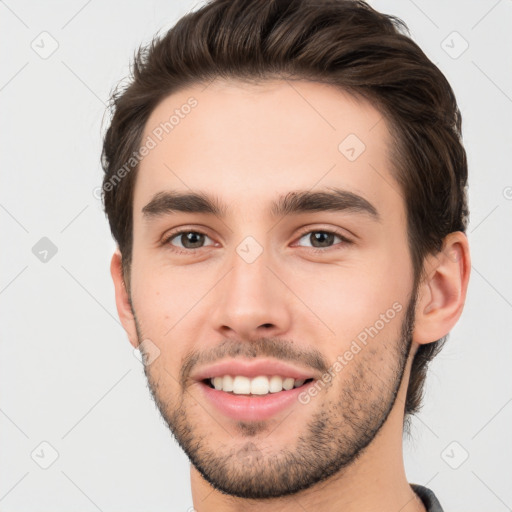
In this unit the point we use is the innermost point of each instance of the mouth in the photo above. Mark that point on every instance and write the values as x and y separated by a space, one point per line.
254 389
258 399
257 386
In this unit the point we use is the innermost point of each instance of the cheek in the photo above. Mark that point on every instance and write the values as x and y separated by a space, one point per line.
351 298
155 306
163 295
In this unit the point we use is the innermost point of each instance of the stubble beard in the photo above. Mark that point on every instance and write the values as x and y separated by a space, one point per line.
332 440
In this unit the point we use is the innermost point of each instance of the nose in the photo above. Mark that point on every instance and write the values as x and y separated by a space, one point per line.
252 300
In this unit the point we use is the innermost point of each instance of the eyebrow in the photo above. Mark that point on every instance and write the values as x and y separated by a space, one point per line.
299 201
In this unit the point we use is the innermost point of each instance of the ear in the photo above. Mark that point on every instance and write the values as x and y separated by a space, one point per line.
442 293
124 309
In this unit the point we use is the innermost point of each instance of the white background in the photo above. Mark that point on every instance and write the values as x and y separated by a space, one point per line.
68 375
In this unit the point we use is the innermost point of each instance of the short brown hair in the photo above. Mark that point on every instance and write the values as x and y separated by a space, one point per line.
345 43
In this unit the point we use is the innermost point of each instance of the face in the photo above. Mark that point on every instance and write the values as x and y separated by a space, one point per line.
290 248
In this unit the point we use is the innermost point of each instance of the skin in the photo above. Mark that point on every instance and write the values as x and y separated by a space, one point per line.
248 145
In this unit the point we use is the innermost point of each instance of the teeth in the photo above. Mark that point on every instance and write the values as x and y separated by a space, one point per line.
241 385
217 382
276 384
227 383
288 383
261 385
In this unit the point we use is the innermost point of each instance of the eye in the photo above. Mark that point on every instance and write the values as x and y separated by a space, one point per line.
188 240
323 239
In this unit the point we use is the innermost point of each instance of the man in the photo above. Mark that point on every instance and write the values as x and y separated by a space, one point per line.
286 183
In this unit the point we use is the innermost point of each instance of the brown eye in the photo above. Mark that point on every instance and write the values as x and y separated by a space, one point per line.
188 240
320 239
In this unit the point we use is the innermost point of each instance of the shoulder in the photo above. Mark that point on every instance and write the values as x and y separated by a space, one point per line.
428 498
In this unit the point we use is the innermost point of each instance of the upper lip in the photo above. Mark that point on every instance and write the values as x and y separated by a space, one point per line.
252 368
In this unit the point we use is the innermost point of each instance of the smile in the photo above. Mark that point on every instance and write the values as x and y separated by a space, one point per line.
260 385
248 406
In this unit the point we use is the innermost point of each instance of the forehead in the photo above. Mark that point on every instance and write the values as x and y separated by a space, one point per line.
249 144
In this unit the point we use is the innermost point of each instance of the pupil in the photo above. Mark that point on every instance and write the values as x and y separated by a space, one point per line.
322 237
192 240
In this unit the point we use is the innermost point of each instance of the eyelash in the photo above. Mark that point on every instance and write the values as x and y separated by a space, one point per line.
344 240
316 250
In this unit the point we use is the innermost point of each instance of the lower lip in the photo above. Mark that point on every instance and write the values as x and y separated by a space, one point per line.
254 407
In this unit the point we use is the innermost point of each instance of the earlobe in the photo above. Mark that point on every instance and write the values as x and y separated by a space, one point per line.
442 293
123 306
